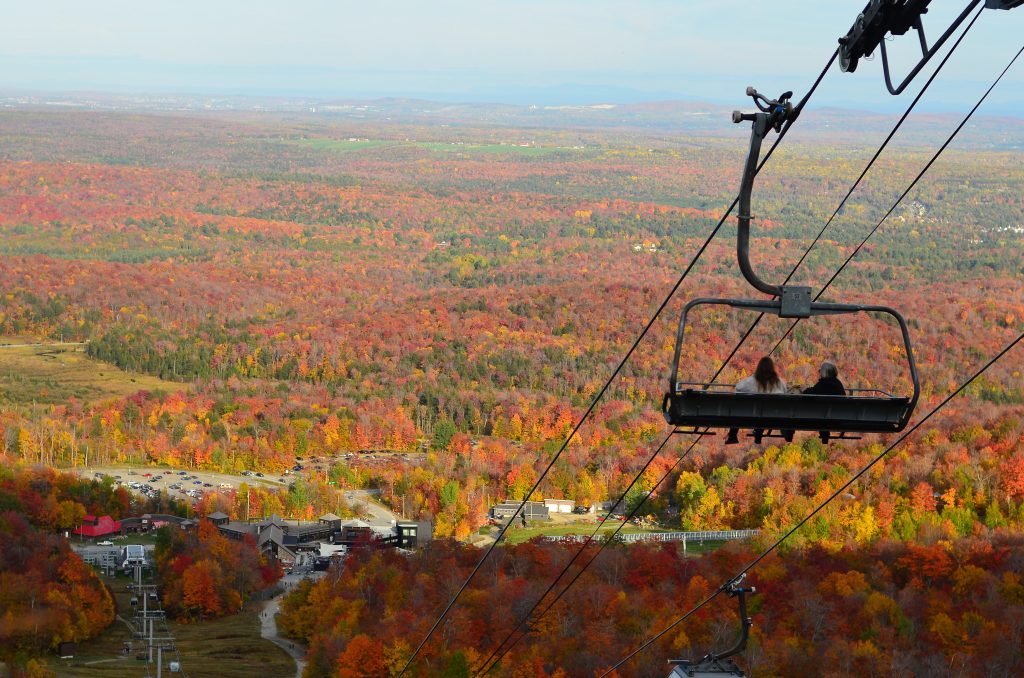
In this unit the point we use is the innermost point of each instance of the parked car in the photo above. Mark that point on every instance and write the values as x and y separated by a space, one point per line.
104 543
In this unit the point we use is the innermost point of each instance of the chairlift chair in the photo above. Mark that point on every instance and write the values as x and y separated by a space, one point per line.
697 407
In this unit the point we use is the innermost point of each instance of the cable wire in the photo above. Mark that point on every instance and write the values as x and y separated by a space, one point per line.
526 618
832 279
822 505
796 113
903 195
604 543
742 340
842 203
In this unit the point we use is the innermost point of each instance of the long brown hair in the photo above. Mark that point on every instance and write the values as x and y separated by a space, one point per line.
765 374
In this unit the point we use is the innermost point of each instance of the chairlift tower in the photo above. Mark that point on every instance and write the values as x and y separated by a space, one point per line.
148 614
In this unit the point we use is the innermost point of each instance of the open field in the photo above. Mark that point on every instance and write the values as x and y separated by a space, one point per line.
55 373
225 648
517 535
340 145
347 145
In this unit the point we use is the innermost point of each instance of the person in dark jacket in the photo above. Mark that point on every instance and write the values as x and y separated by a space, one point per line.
828 384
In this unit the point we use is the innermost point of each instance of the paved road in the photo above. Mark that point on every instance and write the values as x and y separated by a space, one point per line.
379 516
58 345
268 626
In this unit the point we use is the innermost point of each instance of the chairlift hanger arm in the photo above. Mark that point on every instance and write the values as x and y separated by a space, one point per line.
715 662
772 114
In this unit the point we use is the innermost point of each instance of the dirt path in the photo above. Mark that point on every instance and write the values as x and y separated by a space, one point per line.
268 629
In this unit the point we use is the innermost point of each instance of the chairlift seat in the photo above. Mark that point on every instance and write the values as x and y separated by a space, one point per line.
703 406
860 412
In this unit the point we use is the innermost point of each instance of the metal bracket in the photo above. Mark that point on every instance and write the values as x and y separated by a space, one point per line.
883 17
796 302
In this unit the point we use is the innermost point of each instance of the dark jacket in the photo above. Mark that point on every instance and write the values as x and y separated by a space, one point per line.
827 386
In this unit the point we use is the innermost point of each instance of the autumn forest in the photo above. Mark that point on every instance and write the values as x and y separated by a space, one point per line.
451 294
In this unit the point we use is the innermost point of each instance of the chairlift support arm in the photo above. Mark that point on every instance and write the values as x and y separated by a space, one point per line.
716 662
772 114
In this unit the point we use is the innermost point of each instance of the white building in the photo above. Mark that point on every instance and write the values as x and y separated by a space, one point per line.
559 505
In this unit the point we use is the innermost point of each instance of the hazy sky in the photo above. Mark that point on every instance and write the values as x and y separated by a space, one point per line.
478 50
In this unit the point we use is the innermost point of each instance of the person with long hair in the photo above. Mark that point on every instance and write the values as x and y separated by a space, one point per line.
764 380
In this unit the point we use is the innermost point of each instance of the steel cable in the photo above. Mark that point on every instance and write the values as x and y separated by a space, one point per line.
842 203
796 113
742 340
822 505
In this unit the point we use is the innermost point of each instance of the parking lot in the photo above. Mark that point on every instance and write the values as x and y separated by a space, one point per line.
178 483
191 484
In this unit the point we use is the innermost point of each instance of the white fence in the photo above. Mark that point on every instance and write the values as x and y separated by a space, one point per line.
702 536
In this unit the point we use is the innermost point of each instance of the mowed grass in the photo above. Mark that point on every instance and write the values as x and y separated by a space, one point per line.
55 373
452 147
226 648
340 145
517 535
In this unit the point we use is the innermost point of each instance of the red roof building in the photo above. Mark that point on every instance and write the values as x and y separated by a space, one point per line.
97 527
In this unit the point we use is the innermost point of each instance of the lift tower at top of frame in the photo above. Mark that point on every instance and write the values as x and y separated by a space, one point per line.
896 17
700 406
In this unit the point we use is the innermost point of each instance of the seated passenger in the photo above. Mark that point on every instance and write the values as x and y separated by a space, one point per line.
764 380
828 384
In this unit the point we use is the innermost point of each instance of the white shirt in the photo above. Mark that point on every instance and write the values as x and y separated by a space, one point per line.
750 385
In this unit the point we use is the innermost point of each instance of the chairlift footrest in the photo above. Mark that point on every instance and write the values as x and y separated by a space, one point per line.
694 431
